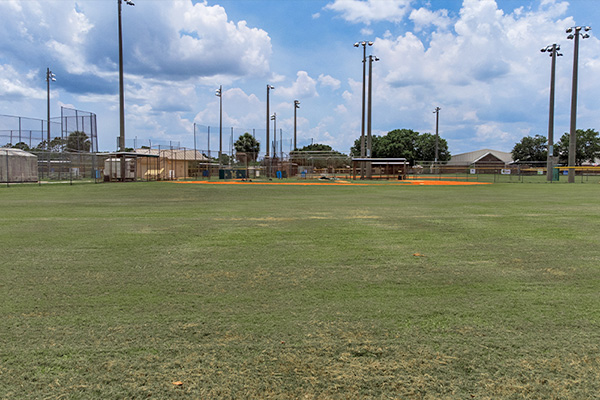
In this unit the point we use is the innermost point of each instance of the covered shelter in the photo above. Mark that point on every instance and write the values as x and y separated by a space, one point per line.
381 168
17 165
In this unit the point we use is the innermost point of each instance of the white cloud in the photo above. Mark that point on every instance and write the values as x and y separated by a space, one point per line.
424 17
176 44
328 80
15 85
358 11
303 87
341 109
240 110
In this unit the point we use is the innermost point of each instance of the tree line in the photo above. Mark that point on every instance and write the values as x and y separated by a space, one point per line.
76 141
405 143
536 148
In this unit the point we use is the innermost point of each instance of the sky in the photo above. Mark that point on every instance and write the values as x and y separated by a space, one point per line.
478 60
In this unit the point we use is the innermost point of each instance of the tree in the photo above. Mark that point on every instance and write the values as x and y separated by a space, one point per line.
405 143
78 141
320 156
22 146
586 150
316 147
56 145
426 148
531 149
247 144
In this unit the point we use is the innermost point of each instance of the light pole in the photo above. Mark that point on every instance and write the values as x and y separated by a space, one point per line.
437 126
369 108
574 33
49 77
296 106
269 88
219 94
121 91
364 44
553 50
274 119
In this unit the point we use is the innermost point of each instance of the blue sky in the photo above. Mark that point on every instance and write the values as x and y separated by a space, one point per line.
478 60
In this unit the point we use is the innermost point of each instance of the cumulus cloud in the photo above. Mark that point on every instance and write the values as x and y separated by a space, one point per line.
239 110
14 85
358 11
328 80
183 41
423 18
486 73
303 87
187 40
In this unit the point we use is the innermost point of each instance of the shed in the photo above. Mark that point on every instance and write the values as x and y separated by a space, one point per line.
17 165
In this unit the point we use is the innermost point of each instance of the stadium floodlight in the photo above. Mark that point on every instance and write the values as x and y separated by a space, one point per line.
553 50
269 88
219 94
274 119
121 90
362 118
50 77
437 125
573 125
296 106
369 137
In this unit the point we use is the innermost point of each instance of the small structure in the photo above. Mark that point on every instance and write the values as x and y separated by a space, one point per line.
381 168
171 163
17 165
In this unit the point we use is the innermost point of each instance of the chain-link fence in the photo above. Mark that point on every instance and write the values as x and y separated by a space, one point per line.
520 172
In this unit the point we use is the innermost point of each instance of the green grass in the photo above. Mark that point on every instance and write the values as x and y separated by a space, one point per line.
115 291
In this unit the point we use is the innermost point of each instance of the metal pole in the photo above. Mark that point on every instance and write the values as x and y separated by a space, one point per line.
549 160
121 97
362 120
48 86
437 125
296 106
573 126
268 124
220 124
574 33
369 137
195 151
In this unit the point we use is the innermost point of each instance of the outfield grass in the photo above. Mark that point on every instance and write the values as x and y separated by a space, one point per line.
116 291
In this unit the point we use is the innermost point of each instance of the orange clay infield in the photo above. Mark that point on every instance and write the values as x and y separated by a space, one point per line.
339 183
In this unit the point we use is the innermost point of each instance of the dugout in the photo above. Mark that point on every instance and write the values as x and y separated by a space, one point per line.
380 168
17 165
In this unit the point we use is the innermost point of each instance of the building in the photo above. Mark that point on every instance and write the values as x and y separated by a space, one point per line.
481 158
17 165
171 163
